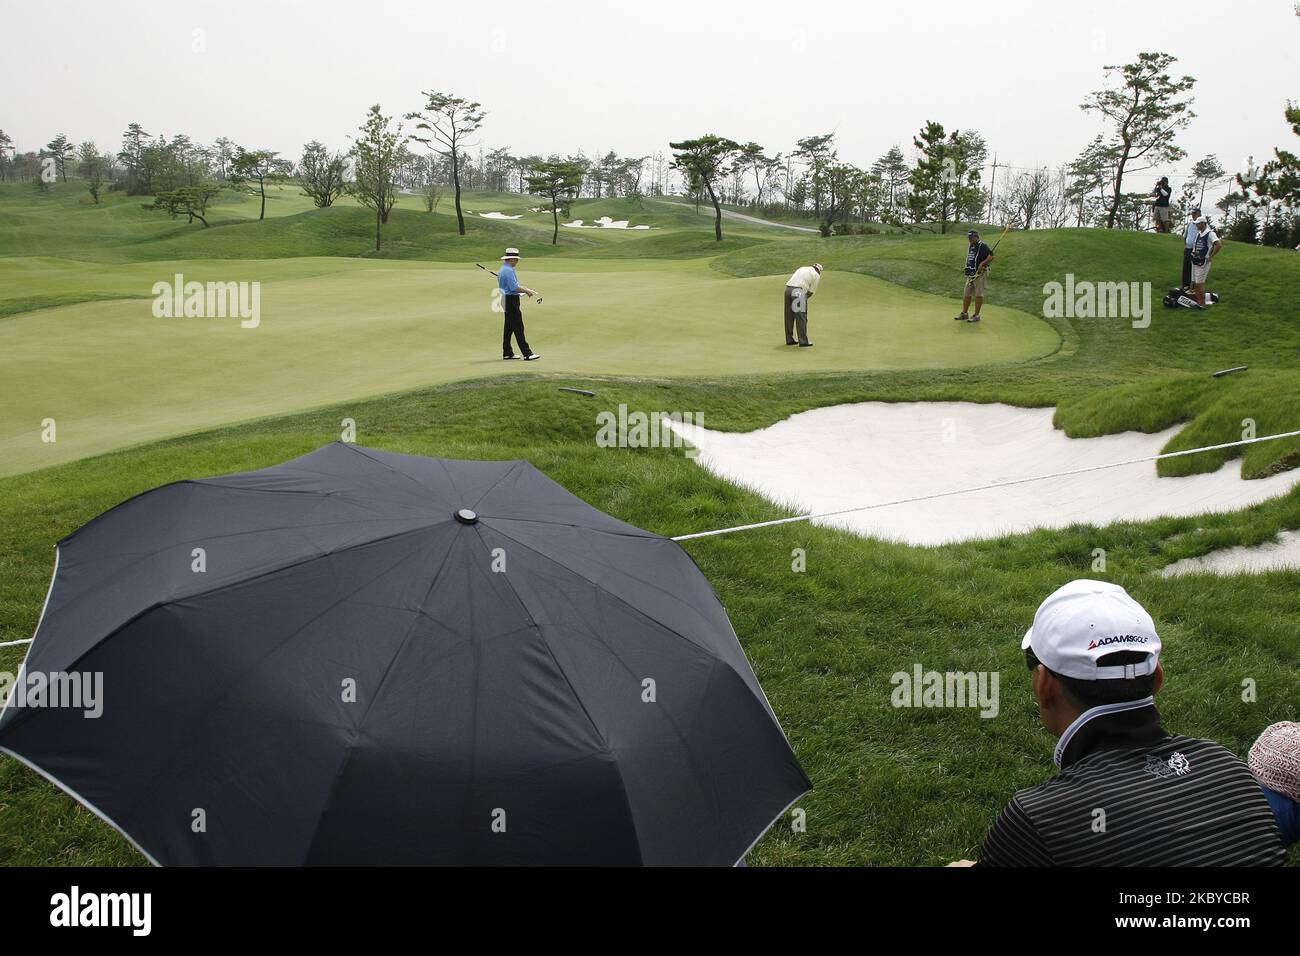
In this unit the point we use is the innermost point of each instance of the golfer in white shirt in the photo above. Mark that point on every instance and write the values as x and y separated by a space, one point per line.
798 290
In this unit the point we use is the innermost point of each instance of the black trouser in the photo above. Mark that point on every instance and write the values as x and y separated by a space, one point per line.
796 314
1187 267
514 326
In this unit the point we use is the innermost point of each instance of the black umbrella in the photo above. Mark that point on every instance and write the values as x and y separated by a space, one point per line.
365 657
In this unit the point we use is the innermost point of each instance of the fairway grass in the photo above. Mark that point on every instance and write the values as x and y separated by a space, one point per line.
111 375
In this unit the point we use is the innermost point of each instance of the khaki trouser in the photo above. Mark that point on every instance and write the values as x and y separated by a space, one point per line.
796 314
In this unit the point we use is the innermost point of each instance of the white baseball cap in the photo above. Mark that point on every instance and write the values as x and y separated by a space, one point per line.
1085 620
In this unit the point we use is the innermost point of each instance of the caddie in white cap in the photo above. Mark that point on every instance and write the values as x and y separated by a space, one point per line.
1129 793
1205 246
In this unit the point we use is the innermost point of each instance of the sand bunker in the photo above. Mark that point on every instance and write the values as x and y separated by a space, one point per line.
497 215
852 455
1282 555
604 222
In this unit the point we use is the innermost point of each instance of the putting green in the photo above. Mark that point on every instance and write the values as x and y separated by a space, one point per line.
110 374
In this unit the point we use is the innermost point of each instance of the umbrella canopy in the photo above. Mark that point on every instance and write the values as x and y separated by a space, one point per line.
360 657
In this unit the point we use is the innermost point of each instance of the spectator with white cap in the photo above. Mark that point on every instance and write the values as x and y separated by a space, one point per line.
1274 759
799 288
508 283
1129 793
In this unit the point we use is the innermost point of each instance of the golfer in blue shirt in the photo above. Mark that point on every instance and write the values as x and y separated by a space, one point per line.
510 288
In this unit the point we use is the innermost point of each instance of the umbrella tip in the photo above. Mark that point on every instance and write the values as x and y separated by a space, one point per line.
466 516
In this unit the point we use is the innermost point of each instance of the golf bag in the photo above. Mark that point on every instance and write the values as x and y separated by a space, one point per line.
1183 299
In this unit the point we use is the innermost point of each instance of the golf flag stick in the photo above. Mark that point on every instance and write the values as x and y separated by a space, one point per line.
1005 230
486 269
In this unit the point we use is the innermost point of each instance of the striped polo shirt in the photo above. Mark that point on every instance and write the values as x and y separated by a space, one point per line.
1131 794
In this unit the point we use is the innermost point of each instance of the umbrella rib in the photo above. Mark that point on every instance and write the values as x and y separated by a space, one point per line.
635 532
122 504
716 661
643 615
493 487
672 722
297 562
345 495
383 464
577 698
218 480
600 587
374 699
163 764
537 627
236 534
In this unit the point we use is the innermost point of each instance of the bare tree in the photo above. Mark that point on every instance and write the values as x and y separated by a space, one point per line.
1057 204
1027 195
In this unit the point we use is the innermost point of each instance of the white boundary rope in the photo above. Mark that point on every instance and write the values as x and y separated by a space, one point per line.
995 484
938 494
58 556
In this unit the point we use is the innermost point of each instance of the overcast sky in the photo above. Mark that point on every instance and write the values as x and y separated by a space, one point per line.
564 76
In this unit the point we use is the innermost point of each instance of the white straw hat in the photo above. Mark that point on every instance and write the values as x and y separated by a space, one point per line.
511 253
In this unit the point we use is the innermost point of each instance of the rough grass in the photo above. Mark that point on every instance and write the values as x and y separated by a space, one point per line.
893 786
